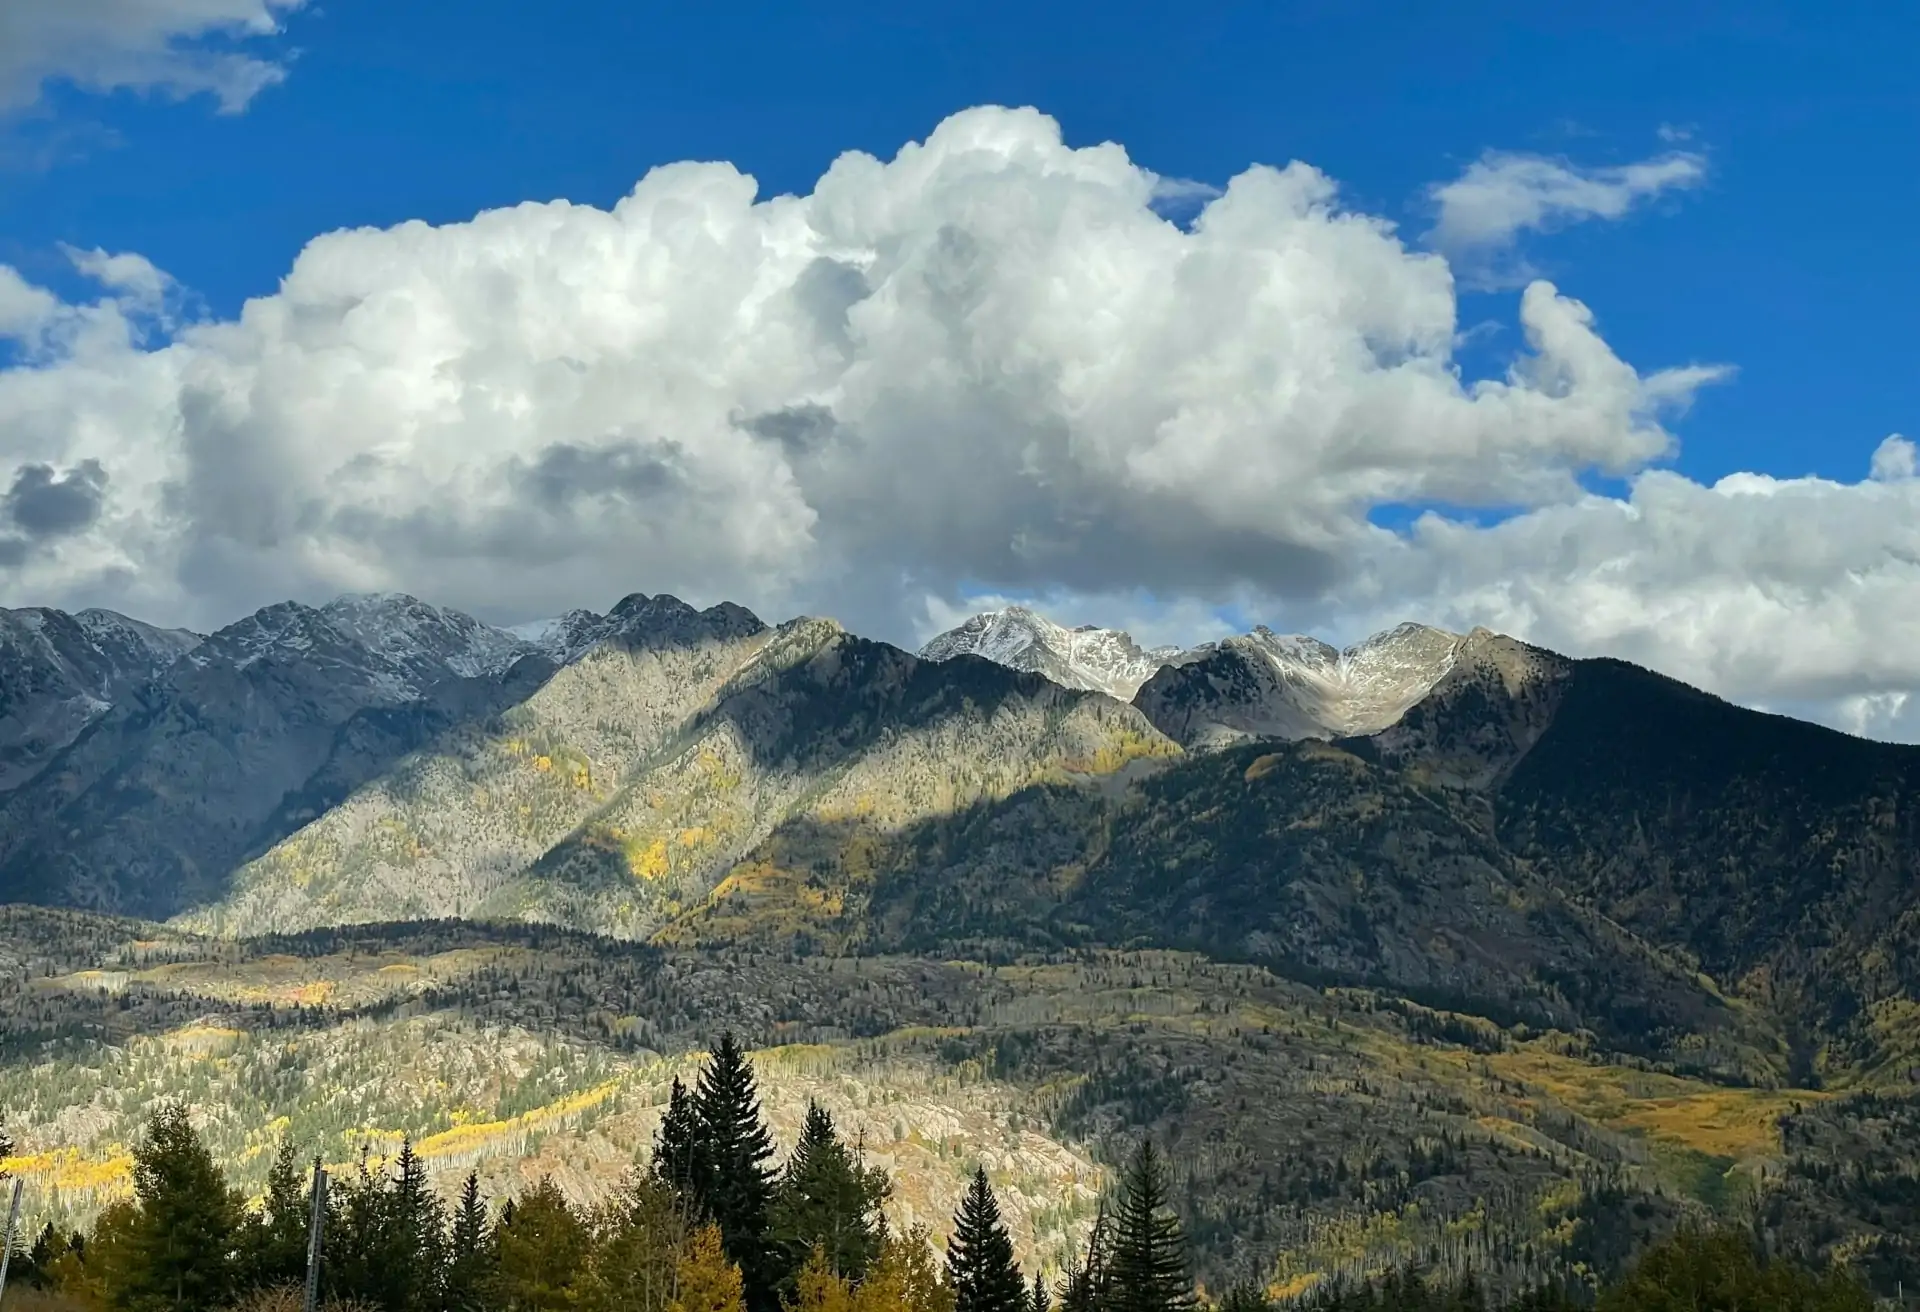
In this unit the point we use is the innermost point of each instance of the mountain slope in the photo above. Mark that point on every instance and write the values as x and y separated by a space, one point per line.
59 673
262 725
446 828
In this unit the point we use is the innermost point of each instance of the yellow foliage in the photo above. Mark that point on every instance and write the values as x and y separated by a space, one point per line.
904 1278
707 1281
543 763
650 862
818 1288
65 1169
472 1136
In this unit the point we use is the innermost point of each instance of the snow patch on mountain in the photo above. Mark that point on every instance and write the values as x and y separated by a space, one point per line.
1088 657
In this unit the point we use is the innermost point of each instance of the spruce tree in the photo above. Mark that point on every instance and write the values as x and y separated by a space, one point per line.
275 1247
1038 1298
470 1262
543 1249
357 1240
184 1241
1149 1262
980 1269
677 1156
734 1185
827 1200
416 1236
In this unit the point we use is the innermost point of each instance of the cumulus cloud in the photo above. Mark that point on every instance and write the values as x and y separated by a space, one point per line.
1503 194
989 364
178 48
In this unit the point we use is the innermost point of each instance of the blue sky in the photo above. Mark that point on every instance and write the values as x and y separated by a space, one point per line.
1794 262
983 366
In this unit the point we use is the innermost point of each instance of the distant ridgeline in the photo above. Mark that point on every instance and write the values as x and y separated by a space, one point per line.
710 1224
1440 950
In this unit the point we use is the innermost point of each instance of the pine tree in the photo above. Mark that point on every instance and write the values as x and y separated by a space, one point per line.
828 1201
416 1236
980 1269
358 1245
1245 1297
543 1249
471 1260
185 1239
1149 1262
677 1156
734 1185
275 1245
1038 1298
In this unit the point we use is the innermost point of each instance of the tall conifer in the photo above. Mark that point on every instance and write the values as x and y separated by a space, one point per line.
417 1236
677 1147
736 1192
470 1243
276 1239
828 1200
185 1239
980 1269
1149 1264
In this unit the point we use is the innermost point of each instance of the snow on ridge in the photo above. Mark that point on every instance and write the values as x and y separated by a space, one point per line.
1087 657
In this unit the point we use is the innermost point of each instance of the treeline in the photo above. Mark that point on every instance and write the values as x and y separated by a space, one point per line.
712 1226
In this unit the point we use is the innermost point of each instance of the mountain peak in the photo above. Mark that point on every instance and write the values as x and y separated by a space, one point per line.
1088 657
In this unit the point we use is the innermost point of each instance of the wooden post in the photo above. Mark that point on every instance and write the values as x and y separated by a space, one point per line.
6 1244
316 1222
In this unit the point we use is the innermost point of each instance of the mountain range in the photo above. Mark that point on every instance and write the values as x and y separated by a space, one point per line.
1579 857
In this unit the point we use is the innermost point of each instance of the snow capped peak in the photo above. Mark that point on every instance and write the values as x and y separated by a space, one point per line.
1087 657
408 631
1270 685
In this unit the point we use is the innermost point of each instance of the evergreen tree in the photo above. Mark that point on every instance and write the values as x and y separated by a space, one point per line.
184 1242
828 1201
416 1244
543 1250
1038 1298
1245 1297
734 1185
1087 1282
470 1260
677 1156
1149 1263
358 1246
980 1269
275 1245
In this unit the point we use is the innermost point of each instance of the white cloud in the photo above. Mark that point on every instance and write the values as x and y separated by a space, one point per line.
1503 194
1895 459
986 365
144 45
1799 594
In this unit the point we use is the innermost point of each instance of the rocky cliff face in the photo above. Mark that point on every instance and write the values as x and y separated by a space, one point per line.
1268 685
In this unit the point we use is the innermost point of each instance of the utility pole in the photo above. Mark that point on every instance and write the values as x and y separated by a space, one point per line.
6 1245
316 1221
